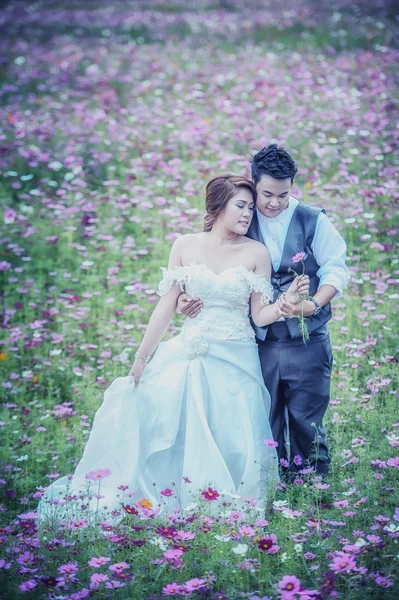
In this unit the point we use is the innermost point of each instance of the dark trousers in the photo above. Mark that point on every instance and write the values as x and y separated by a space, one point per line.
298 379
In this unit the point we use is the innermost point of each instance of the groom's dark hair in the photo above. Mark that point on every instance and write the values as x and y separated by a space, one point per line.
273 161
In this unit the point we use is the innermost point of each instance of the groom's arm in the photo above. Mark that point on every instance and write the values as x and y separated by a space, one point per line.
329 250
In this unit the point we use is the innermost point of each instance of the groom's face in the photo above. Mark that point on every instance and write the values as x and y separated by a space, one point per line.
273 195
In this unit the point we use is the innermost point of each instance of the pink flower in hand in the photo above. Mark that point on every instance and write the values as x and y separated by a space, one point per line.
298 257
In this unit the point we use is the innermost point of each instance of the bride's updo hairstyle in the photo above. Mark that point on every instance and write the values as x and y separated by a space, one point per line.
219 191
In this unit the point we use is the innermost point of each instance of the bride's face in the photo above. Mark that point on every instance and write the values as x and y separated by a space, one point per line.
238 212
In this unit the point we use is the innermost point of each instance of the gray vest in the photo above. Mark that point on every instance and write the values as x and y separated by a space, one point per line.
299 238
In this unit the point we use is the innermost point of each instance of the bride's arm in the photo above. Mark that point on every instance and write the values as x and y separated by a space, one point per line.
262 314
159 320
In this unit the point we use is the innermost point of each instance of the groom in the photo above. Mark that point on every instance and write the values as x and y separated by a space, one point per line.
297 375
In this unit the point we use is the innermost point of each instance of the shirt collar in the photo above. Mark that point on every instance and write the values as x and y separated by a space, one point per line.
283 217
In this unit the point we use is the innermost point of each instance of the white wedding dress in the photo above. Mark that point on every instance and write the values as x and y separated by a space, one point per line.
200 411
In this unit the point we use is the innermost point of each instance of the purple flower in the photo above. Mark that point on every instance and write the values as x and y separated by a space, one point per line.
26 586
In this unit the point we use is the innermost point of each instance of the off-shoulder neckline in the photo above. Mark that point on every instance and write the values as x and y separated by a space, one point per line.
197 264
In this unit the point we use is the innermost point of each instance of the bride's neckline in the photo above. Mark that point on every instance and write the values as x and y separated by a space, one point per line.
197 264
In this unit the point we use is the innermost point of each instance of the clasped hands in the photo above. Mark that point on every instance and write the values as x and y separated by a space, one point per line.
289 304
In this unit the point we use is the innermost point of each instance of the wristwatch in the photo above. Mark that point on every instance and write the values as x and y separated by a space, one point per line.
317 308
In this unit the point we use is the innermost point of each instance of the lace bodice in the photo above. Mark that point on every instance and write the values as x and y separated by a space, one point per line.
225 314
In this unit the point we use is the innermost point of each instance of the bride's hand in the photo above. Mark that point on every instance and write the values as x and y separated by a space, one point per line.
298 290
137 370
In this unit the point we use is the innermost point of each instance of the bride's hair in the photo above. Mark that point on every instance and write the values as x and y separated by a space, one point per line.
219 191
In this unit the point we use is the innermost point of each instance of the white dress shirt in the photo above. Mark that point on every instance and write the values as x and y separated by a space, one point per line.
328 247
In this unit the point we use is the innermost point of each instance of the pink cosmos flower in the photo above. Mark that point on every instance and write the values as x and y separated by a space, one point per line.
99 474
25 558
383 581
289 583
194 584
68 568
96 580
167 492
271 443
98 562
247 531
185 535
78 524
26 586
117 567
298 257
9 216
5 266
170 589
172 554
342 562
210 494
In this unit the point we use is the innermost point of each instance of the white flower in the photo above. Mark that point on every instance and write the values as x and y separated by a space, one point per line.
287 514
240 549
298 548
222 538
279 504
391 528
160 542
191 507
55 352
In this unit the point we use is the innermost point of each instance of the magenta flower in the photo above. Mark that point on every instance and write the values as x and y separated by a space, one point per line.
5 266
81 524
117 567
98 562
26 586
342 562
271 443
247 531
383 581
97 579
167 492
68 568
210 494
9 216
170 589
172 554
298 257
25 558
194 584
289 583
269 544
99 474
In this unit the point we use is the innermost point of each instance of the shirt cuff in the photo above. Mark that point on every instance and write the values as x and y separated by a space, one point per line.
335 282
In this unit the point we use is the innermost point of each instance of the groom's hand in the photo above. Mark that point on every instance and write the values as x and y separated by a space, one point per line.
295 310
190 307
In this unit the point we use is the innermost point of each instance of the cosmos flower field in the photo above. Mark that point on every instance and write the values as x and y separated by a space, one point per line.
113 116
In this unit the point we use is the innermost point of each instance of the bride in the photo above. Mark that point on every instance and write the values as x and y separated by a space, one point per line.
197 414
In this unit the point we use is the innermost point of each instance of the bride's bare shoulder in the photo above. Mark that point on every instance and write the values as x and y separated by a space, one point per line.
183 241
256 248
